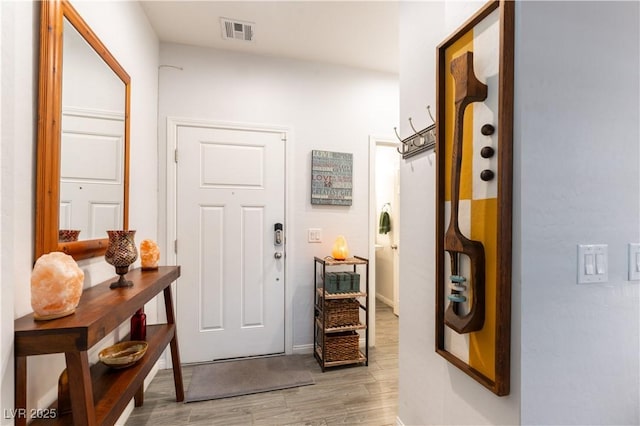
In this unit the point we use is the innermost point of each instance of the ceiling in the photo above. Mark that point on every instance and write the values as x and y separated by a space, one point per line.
361 34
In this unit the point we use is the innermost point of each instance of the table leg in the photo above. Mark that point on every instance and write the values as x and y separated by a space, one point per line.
139 396
21 391
80 388
175 353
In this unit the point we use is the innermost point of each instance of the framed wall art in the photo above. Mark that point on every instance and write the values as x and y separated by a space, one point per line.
474 196
331 178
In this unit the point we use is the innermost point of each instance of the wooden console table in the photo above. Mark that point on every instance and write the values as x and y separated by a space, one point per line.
98 394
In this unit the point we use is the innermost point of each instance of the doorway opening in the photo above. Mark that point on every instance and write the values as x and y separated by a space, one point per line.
384 212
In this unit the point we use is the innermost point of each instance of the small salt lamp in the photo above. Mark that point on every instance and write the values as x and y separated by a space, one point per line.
149 255
340 249
56 286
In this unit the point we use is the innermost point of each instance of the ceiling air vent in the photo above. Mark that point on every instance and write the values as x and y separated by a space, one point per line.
237 30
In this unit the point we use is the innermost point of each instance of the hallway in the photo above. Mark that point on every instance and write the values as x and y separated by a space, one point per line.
365 395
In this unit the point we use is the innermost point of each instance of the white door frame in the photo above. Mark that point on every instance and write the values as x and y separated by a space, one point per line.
373 220
171 206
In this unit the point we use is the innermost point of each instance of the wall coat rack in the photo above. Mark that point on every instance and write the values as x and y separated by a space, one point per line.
419 141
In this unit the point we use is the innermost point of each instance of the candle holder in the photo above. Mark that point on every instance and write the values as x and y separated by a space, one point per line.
121 252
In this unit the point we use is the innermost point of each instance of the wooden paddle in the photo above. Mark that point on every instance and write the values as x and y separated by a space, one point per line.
467 90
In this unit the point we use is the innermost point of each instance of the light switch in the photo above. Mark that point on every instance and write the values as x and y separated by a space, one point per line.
589 267
601 264
314 235
593 263
634 262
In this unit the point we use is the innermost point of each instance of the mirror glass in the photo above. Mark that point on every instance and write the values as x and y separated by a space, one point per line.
91 144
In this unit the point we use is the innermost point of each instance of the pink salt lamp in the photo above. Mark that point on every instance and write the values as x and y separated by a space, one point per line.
340 249
149 254
56 286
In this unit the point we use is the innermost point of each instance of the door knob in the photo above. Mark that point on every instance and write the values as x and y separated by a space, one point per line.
277 255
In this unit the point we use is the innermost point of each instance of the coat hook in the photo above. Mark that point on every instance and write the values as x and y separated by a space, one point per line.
401 151
411 124
420 137
430 116
395 129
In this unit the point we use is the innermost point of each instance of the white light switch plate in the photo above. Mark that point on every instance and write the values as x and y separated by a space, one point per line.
634 262
593 263
314 235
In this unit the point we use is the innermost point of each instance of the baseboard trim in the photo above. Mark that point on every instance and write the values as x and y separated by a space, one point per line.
303 349
385 300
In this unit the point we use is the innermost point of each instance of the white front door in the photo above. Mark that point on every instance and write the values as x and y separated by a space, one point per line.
230 195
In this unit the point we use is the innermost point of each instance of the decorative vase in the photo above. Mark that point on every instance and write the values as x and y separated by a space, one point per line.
56 286
149 255
139 325
68 235
340 249
121 252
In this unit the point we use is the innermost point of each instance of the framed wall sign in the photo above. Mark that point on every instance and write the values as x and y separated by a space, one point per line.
474 196
331 178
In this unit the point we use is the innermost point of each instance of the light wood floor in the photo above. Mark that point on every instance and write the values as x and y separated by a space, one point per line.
347 395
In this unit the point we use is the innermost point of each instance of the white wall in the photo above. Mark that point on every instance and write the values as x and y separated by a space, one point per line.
574 353
328 108
124 29
3 341
576 134
418 392
17 145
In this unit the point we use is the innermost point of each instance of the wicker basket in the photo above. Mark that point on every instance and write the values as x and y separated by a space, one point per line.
341 312
341 346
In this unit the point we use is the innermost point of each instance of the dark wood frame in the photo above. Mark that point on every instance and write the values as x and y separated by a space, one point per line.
53 13
499 385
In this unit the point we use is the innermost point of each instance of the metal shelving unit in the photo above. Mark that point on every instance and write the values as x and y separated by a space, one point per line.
321 331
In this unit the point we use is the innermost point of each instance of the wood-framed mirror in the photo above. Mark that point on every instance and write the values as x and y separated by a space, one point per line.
82 181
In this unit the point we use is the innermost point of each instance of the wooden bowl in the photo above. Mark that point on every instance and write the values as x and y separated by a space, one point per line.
123 354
